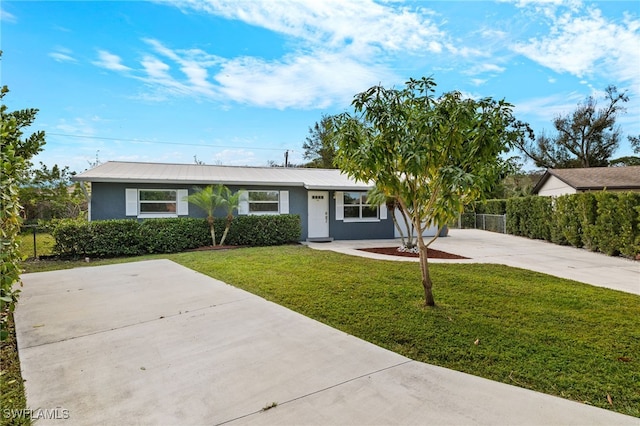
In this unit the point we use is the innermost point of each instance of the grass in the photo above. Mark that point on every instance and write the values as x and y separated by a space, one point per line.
515 326
12 395
532 330
43 245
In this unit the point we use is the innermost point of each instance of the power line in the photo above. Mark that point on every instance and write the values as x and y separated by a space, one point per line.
162 142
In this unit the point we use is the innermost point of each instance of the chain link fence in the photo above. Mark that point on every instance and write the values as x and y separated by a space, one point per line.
486 222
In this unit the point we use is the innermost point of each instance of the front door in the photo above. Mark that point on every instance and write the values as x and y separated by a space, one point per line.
318 214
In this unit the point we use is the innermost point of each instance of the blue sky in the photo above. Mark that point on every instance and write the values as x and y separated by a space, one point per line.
241 82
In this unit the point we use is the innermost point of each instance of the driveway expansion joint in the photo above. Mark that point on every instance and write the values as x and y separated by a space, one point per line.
326 388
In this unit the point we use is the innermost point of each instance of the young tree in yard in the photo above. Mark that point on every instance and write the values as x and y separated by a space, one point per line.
319 147
433 155
15 154
586 138
230 202
208 199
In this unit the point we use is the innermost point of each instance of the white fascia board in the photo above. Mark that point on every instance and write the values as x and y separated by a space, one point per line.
185 181
338 188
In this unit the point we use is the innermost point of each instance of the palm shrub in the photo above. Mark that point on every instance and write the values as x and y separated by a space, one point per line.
208 199
230 201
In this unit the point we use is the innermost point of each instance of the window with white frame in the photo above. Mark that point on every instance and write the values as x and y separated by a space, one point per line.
263 202
148 203
158 201
356 206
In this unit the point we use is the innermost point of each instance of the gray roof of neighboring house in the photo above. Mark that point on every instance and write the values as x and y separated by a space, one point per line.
595 178
195 174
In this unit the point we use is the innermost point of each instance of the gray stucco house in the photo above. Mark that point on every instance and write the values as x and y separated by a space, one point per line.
329 203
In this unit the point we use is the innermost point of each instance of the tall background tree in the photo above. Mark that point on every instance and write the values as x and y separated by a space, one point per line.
432 155
586 138
48 193
15 153
319 146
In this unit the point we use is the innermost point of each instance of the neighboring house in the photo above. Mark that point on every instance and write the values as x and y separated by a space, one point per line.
329 203
570 181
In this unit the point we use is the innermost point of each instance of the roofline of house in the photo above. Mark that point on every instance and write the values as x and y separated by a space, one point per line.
549 172
223 182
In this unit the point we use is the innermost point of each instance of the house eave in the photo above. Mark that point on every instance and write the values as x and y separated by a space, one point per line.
362 187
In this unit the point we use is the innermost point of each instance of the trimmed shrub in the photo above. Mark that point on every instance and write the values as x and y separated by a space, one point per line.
129 237
267 230
110 238
73 237
514 207
529 217
587 211
608 222
173 235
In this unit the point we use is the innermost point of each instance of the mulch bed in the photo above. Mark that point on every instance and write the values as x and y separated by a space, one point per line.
433 254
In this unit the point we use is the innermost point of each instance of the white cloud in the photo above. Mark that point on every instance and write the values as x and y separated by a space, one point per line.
588 45
337 49
7 17
297 81
548 107
235 157
110 61
478 81
333 22
62 54
77 126
484 68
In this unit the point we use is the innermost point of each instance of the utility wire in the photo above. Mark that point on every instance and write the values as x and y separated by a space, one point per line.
162 142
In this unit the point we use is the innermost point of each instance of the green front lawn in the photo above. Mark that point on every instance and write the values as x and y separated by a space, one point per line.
532 330
511 325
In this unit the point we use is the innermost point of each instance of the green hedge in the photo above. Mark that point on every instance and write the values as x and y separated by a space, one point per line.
530 217
608 222
111 238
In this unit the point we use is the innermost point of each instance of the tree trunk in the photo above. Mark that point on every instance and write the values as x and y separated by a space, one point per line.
212 229
226 230
426 277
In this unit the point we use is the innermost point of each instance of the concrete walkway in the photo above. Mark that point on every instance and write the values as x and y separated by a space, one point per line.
490 247
155 343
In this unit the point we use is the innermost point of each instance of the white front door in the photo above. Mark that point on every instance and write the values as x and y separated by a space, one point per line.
318 214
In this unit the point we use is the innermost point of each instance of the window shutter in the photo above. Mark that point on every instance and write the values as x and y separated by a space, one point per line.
183 204
131 196
383 212
339 205
243 205
284 202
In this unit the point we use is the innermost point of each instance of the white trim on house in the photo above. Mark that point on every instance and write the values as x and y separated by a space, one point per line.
194 174
244 205
381 213
132 203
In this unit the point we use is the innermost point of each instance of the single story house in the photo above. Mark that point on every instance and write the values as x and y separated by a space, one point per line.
571 181
329 203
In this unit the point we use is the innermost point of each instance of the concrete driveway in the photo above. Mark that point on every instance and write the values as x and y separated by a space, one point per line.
155 343
490 247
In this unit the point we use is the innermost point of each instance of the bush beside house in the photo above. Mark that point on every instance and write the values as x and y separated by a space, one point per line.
128 237
608 222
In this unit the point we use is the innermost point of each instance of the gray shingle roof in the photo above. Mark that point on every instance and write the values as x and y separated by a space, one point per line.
596 178
194 174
